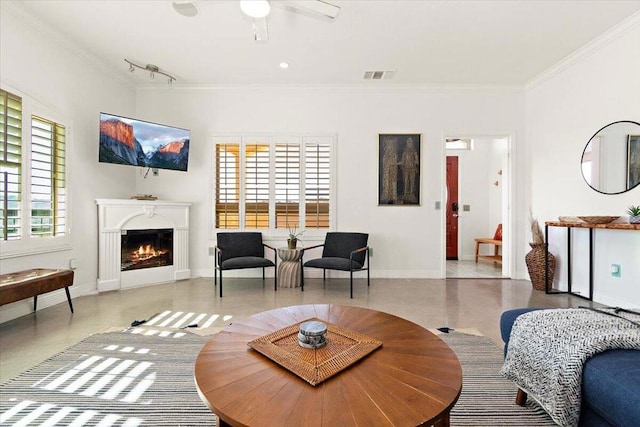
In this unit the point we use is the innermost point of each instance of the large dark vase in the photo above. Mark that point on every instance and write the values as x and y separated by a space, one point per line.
292 243
535 265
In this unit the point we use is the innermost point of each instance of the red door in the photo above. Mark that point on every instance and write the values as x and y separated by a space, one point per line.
452 207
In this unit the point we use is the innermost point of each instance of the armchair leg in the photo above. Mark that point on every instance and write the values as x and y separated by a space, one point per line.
351 282
521 397
301 276
220 283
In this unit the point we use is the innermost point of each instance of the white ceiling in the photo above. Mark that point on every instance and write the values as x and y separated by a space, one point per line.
425 42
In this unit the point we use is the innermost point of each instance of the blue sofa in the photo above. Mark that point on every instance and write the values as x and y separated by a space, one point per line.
610 383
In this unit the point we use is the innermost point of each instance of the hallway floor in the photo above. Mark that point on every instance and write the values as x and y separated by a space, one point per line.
473 270
432 303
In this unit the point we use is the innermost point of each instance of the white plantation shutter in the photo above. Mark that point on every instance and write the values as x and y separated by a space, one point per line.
256 199
317 193
227 185
10 166
274 183
287 185
48 178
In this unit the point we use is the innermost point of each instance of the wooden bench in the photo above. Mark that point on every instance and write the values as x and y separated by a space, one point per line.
31 283
496 241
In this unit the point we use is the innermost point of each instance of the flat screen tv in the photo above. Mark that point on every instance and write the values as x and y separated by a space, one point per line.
134 142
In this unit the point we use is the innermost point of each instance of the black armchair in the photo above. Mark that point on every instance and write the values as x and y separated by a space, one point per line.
238 250
342 251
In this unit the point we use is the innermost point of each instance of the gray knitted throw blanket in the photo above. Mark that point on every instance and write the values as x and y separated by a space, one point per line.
548 348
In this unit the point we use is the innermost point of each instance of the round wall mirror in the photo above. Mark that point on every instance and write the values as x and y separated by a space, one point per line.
611 158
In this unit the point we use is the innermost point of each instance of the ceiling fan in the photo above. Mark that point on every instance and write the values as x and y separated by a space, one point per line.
258 10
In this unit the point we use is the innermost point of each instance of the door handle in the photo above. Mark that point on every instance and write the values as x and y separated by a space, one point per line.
455 215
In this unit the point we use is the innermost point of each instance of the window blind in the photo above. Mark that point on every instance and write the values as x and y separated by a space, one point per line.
10 166
287 185
317 184
48 178
227 185
256 194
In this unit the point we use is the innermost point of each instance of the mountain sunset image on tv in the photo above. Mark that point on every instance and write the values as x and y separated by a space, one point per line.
134 142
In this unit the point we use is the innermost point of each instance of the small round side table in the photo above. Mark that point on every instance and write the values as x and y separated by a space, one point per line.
289 268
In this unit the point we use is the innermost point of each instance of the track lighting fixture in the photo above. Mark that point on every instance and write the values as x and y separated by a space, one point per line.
152 69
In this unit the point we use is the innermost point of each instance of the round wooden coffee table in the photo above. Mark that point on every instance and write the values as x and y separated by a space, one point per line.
413 379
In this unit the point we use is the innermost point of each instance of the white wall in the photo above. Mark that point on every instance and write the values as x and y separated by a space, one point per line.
406 240
598 85
45 67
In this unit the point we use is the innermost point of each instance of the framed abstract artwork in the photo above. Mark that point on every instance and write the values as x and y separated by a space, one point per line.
398 169
633 160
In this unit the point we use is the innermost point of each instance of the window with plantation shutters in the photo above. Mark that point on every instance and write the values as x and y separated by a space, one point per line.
287 185
48 182
317 183
34 197
283 183
10 166
227 189
257 183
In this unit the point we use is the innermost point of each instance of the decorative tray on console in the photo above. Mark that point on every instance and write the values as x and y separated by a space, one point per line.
598 219
344 348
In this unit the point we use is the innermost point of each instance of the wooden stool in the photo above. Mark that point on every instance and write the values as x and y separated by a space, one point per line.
496 241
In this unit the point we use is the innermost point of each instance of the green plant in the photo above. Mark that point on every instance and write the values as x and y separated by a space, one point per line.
294 234
634 210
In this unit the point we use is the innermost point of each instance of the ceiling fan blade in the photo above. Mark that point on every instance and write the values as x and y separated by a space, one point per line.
260 30
318 6
187 8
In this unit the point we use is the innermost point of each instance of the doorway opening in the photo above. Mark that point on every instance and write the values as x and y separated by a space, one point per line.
477 200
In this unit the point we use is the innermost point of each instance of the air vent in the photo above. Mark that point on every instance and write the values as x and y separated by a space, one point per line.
378 75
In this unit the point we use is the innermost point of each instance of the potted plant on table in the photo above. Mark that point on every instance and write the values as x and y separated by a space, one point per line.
535 259
292 240
634 214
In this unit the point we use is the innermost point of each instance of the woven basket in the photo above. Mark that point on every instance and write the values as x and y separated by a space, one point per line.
535 265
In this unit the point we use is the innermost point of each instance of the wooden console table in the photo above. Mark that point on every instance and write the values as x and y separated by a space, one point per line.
569 226
31 283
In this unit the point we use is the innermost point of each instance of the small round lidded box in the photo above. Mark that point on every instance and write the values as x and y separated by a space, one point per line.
312 334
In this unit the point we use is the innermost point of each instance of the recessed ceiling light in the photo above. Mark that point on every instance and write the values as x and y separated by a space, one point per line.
284 65
255 8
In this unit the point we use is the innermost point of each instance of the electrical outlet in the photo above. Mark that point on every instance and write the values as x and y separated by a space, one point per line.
616 270
370 251
73 263
437 206
212 251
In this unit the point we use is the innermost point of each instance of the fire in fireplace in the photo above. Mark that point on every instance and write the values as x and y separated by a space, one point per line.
146 249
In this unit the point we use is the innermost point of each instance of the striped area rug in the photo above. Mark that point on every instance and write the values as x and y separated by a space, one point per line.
127 379
111 379
487 398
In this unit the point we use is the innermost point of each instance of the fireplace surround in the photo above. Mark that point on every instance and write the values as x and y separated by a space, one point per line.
160 232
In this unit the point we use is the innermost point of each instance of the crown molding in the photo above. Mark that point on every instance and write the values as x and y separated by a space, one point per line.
334 88
16 10
609 36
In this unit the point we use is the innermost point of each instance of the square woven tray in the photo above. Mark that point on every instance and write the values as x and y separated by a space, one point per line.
344 348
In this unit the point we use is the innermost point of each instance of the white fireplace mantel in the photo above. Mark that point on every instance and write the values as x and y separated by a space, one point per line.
117 215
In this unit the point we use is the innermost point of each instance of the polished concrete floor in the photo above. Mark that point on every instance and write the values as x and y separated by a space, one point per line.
473 270
456 303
